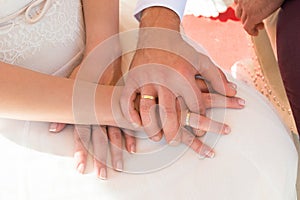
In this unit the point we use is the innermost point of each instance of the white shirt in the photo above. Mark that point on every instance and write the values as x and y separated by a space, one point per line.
176 5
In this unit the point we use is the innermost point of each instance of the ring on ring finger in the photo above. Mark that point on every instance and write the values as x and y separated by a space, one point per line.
145 96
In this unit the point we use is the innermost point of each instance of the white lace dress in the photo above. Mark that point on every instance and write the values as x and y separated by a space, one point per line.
257 161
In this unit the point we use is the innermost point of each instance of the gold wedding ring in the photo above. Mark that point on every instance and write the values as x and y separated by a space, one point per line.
145 96
187 118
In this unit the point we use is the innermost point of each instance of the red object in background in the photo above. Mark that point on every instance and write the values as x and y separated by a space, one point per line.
228 15
223 37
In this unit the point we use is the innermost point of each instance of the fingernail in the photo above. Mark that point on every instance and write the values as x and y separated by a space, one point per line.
156 138
242 102
132 148
209 153
135 125
233 86
201 156
80 168
174 142
53 127
102 174
227 130
199 133
119 166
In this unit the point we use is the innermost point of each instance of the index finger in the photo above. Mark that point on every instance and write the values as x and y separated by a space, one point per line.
216 77
197 145
127 103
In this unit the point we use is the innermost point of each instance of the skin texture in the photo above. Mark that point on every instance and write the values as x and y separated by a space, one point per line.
98 15
33 96
253 12
159 30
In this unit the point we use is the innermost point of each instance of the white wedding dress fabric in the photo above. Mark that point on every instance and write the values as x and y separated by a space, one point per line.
207 8
257 161
52 45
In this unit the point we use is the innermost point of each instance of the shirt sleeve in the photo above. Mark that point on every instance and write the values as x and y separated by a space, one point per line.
176 5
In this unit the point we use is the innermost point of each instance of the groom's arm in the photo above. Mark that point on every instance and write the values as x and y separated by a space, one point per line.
160 43
176 6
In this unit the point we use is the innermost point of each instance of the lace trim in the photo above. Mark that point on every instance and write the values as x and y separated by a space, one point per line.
27 9
51 22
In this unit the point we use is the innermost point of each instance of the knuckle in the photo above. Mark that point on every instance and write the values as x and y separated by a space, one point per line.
129 134
231 101
171 132
83 138
169 111
208 99
80 154
199 147
187 138
144 108
206 64
216 127
115 136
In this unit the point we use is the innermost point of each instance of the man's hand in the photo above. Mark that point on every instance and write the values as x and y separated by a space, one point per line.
165 63
253 12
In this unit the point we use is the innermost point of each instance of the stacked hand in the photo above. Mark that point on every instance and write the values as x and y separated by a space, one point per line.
163 72
101 137
174 128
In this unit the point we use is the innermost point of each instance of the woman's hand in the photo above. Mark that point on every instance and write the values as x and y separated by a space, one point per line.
100 136
102 139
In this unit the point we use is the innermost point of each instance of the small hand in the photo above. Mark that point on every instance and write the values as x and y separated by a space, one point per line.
102 139
100 136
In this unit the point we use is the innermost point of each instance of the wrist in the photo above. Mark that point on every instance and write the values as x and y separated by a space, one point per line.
160 17
107 107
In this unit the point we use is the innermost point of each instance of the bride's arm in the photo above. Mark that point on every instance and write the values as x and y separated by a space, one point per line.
29 95
101 21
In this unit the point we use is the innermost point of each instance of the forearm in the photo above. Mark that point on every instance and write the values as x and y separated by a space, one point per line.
160 30
29 95
101 21
176 6
160 17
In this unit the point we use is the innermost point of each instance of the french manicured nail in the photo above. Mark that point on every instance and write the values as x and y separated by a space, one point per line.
53 127
242 102
135 125
119 165
201 156
132 148
80 168
174 142
209 153
227 130
102 173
